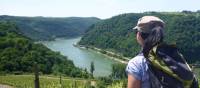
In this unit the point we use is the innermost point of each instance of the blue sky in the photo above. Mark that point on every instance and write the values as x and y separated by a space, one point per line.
96 8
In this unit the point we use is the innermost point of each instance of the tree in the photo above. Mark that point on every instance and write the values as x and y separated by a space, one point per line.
92 68
118 71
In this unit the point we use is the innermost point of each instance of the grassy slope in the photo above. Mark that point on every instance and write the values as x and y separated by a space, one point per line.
27 81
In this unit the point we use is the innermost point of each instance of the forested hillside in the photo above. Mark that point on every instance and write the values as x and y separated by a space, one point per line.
115 34
19 54
47 28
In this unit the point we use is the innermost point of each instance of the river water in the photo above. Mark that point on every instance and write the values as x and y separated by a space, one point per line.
81 57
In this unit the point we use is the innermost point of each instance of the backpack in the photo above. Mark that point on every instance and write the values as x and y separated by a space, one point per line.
168 68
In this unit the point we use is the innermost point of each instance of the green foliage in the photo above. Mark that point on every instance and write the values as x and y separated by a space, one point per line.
117 79
18 54
103 82
198 82
44 28
118 71
116 33
118 84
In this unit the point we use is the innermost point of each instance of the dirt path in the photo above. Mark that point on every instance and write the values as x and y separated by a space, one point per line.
5 86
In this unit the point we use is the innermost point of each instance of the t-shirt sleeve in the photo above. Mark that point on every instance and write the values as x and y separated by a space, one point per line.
134 69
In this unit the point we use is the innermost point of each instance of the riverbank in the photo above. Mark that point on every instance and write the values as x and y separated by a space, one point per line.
114 56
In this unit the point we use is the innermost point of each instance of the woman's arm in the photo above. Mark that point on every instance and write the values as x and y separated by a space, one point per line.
133 82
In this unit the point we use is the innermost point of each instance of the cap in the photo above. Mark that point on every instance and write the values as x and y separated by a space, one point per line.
146 23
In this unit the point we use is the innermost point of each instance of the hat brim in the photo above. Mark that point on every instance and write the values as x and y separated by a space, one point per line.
135 28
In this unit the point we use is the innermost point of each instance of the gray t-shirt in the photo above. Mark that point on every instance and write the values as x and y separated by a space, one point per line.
138 67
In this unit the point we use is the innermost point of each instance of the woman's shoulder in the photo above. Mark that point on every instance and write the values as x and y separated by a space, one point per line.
137 66
139 59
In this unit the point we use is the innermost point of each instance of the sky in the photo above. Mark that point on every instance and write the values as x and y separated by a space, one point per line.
92 8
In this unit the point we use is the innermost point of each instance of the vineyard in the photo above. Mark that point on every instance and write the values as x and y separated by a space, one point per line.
27 81
51 81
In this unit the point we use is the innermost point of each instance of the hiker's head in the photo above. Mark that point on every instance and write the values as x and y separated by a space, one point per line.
149 30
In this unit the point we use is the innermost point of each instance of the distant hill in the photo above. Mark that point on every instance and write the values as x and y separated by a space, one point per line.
47 28
116 34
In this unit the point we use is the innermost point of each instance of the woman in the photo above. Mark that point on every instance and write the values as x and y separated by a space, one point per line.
149 32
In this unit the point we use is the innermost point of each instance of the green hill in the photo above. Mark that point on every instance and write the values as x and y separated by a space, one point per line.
47 28
115 34
18 54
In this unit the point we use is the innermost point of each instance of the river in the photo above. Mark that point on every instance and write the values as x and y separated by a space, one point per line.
81 57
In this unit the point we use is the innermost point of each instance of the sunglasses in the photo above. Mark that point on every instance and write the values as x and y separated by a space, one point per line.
135 31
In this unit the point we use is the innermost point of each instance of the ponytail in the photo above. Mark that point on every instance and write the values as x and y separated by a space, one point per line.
151 39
